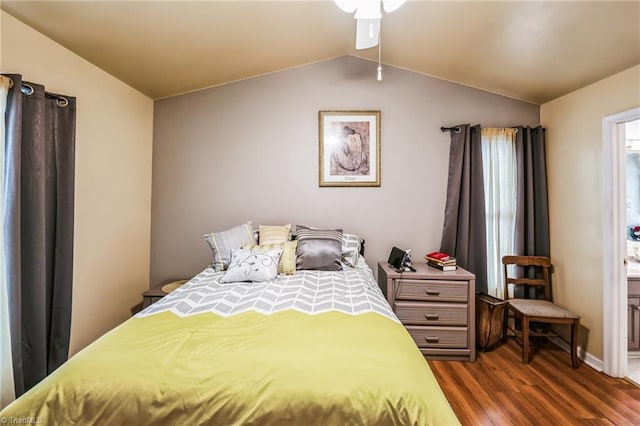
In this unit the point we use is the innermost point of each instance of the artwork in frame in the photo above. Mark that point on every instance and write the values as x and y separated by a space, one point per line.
349 150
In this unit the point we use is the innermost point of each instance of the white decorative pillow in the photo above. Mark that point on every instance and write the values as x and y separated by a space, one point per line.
252 265
274 234
221 243
287 265
350 249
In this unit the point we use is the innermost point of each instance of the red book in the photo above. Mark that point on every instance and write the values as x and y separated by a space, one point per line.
439 256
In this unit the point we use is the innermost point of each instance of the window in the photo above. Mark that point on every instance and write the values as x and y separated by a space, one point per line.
500 192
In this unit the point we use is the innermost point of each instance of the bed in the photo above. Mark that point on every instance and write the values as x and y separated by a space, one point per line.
315 347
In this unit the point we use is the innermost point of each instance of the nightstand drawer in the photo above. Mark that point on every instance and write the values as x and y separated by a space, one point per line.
432 313
432 290
439 337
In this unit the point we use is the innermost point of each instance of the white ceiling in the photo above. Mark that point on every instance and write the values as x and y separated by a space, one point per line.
529 50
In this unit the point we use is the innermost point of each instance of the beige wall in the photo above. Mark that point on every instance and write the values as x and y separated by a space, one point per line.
113 177
575 168
249 151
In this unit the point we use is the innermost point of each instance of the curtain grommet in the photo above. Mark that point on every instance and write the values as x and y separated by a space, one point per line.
27 89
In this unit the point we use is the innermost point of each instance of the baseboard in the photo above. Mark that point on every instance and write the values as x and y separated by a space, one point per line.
588 359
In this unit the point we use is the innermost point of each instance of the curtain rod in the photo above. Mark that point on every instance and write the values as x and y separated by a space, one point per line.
27 89
457 129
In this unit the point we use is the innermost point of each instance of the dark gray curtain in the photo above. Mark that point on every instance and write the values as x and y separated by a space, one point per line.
464 234
532 221
39 175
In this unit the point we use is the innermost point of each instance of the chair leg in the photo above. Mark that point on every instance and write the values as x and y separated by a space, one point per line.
505 324
525 339
575 328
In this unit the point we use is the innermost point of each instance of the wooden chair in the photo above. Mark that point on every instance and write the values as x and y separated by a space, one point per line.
537 311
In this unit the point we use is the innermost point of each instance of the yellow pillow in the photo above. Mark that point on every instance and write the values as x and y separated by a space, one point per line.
274 234
287 264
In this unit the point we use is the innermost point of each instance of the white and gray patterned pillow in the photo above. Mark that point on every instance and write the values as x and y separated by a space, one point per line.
319 249
222 242
287 265
350 249
252 265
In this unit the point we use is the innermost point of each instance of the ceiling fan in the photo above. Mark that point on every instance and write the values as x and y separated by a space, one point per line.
368 15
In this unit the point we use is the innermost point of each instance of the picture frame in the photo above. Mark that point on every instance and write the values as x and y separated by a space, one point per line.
349 148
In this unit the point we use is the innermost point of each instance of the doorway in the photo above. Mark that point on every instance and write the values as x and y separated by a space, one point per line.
615 231
632 235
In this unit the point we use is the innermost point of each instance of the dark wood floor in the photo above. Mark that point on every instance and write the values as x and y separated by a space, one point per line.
499 390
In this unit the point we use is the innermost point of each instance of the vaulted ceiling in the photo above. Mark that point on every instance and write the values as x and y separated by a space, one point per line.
529 50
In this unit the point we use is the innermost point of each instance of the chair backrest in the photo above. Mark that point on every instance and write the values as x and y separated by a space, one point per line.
535 272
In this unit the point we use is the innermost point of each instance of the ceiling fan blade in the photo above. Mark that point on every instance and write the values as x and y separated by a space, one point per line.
391 5
348 6
367 33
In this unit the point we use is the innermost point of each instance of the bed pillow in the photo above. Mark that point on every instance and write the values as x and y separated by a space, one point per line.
221 243
252 265
350 249
274 234
319 249
287 264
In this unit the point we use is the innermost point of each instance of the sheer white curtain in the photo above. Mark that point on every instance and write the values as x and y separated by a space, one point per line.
500 192
7 389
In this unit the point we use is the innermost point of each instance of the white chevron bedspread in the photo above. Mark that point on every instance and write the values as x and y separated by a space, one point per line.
351 291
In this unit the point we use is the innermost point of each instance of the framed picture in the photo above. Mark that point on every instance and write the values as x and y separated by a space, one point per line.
349 150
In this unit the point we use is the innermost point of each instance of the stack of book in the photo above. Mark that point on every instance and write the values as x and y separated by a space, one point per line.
442 261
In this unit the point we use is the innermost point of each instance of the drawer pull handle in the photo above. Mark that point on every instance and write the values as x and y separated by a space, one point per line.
432 316
432 339
433 292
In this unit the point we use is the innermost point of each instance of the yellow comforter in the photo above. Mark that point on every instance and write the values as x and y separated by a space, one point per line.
288 368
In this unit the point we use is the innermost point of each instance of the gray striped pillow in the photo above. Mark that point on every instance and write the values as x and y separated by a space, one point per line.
221 243
318 249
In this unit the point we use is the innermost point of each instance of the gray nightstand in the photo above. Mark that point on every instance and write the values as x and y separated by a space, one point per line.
437 308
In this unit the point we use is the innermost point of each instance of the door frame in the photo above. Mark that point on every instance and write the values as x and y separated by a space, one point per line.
614 288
